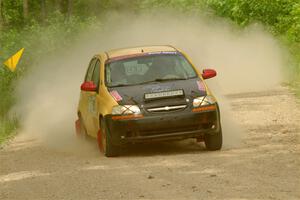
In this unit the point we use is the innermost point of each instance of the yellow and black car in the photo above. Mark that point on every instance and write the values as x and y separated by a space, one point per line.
147 93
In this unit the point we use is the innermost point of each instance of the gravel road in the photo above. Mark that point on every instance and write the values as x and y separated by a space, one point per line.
264 166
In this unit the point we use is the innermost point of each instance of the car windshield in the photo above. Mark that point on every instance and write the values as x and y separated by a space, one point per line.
148 68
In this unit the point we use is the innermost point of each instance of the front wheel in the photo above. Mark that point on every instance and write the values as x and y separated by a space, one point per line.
105 143
213 142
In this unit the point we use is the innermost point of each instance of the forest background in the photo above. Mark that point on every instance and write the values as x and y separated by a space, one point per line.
56 24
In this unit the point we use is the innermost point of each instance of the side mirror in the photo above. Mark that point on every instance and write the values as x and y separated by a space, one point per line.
208 73
88 86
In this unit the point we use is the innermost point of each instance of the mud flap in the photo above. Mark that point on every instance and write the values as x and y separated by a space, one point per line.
99 140
78 127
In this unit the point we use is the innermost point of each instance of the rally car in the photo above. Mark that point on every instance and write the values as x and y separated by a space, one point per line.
147 93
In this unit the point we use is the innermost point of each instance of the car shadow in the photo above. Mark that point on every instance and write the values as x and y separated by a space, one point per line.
189 146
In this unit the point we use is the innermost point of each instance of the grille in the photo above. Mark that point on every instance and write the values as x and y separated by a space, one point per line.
166 108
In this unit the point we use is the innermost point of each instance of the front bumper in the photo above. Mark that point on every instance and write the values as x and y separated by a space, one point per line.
170 126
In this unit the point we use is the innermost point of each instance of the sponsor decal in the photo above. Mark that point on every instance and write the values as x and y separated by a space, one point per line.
163 52
157 88
110 60
92 104
164 94
115 94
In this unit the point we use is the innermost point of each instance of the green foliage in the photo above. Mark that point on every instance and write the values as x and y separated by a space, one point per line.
12 12
55 33
8 128
192 6
281 17
6 90
39 39
57 25
276 14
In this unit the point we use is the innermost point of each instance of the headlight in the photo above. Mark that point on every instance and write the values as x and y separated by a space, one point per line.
125 110
203 101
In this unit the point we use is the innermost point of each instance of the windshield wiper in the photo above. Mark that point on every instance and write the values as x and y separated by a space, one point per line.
163 80
152 81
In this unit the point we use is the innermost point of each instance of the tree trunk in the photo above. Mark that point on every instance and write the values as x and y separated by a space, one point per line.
43 9
70 7
1 20
25 9
57 5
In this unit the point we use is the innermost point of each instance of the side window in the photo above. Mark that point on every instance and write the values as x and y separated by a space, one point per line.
96 74
89 73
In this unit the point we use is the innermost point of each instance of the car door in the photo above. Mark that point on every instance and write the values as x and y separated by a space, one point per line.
92 98
84 96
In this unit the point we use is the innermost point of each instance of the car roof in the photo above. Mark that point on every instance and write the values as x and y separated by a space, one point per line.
139 50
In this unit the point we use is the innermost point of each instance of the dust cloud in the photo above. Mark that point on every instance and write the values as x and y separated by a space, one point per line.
247 60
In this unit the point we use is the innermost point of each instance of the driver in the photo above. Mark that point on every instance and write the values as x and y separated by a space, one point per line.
161 67
118 74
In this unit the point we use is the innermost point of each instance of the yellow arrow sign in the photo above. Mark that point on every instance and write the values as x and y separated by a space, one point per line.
13 61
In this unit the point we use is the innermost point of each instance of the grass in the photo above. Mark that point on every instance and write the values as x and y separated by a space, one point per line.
295 86
8 129
294 83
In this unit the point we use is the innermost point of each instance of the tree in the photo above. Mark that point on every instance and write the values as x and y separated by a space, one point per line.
43 9
1 14
70 7
25 9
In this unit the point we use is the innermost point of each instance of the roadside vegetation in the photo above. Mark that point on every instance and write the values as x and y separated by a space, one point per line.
54 24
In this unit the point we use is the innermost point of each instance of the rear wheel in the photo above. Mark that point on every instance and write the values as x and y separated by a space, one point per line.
213 142
104 142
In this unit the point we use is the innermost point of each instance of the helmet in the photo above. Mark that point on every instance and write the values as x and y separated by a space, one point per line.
117 71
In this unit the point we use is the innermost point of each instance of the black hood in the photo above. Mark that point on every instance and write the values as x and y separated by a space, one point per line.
135 94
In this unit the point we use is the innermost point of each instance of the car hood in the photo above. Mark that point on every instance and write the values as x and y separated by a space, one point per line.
135 94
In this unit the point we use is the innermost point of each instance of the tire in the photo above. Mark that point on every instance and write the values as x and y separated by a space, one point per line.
105 143
213 142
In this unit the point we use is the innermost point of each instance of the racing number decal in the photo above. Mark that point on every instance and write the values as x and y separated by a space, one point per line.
92 105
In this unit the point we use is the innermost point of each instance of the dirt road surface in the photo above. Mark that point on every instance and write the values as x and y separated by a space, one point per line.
264 166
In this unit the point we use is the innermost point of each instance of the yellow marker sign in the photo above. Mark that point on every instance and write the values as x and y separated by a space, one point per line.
13 61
